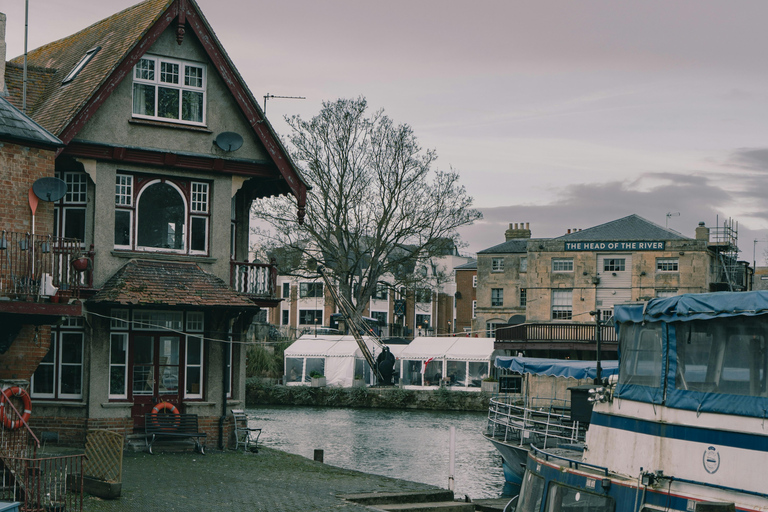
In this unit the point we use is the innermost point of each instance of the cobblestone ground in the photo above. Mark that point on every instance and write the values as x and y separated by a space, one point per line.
266 481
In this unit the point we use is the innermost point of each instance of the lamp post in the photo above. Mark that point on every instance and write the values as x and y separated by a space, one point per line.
596 314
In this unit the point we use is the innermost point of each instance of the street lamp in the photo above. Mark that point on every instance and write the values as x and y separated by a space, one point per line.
596 314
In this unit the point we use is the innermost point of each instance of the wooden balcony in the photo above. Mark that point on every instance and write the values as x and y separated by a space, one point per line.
37 276
555 336
257 280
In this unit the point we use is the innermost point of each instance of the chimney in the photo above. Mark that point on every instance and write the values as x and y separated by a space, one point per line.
3 92
702 232
521 230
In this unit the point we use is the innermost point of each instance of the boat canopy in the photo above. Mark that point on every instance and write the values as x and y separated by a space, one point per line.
694 306
705 352
557 367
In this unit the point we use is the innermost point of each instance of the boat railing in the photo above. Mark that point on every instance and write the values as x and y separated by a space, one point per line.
572 463
543 421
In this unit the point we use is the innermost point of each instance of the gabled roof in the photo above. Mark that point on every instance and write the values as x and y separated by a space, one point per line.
516 245
63 109
164 283
632 227
16 127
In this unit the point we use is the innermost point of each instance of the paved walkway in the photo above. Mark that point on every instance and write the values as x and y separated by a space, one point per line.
270 480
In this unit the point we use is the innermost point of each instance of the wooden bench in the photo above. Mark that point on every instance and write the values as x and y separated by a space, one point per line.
172 426
245 435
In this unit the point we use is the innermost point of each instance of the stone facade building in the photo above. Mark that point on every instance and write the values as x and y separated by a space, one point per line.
577 278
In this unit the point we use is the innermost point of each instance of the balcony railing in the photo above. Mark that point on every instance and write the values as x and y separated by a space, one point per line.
35 266
257 280
555 332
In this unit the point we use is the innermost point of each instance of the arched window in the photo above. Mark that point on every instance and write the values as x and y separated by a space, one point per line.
162 217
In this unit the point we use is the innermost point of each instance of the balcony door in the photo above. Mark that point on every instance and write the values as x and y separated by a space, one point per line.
155 371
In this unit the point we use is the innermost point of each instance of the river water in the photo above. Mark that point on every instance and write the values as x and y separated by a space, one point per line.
405 444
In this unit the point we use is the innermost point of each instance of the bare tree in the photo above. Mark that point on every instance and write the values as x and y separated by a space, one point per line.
376 207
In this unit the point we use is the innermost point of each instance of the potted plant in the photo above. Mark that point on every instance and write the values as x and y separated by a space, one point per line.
490 385
318 379
78 261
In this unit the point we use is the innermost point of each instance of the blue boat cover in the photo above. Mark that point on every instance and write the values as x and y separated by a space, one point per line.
694 306
686 308
557 367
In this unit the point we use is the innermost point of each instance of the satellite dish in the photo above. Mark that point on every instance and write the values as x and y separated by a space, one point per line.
229 141
49 189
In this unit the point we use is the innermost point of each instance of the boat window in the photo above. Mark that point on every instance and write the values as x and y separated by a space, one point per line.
563 499
641 354
531 493
723 356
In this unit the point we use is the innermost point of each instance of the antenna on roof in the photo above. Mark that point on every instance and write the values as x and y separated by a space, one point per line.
268 96
671 214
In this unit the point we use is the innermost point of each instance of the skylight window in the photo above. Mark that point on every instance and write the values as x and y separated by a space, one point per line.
80 65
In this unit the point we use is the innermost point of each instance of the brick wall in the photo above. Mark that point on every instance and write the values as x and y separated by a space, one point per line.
20 167
464 286
26 352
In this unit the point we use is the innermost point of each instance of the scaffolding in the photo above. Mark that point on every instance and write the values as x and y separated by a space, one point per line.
727 273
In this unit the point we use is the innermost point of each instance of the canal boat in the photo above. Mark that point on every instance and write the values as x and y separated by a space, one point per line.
542 416
683 427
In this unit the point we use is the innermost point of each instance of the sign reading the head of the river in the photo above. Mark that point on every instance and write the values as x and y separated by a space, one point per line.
630 245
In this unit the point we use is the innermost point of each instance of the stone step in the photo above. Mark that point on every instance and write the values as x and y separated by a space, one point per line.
381 498
438 506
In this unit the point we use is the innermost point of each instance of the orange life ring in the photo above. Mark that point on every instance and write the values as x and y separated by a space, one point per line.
165 405
166 425
17 392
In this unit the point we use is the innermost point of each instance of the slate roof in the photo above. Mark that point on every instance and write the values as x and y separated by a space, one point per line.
116 35
516 245
17 127
165 283
632 227
470 265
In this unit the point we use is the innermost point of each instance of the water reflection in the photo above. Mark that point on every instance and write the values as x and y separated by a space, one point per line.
406 444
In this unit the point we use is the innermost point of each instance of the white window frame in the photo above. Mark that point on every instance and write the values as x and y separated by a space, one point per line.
156 82
497 264
196 198
562 303
306 286
474 309
614 265
562 264
188 365
195 321
113 336
523 297
500 298
663 265
474 281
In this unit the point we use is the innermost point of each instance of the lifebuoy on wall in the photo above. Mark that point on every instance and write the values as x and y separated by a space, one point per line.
169 421
20 393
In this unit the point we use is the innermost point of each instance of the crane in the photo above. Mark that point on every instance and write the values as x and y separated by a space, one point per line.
383 365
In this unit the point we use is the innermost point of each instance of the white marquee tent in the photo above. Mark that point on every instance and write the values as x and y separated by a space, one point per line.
426 361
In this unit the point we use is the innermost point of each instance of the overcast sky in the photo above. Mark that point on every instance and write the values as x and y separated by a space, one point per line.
563 114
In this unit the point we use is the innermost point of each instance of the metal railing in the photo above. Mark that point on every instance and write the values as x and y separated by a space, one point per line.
543 422
555 332
43 484
254 279
35 266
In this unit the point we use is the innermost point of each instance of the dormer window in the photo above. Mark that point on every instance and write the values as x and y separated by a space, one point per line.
169 90
80 65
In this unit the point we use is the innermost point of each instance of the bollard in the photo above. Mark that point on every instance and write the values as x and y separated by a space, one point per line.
318 455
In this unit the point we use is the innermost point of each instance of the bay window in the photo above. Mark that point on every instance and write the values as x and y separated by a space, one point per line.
161 215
